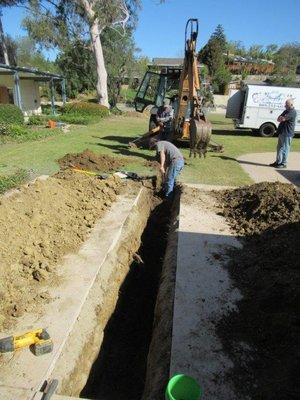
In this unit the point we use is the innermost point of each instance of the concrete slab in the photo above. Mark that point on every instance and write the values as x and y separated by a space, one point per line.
203 294
257 167
23 371
205 187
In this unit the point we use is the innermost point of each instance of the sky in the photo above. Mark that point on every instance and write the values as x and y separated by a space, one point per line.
160 32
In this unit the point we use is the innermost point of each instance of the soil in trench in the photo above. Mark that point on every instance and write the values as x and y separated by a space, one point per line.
119 371
262 335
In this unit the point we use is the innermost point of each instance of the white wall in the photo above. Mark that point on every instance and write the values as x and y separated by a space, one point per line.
7 80
220 102
30 96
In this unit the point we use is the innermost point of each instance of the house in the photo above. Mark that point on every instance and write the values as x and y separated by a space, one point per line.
20 86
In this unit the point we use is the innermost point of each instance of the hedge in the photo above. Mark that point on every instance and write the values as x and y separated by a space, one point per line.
38 119
86 109
75 119
12 130
11 114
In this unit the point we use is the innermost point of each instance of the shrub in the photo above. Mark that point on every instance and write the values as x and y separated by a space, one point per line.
116 111
47 109
38 119
86 109
18 130
74 119
4 129
11 114
12 130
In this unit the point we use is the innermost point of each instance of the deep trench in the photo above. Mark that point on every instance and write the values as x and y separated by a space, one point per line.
119 371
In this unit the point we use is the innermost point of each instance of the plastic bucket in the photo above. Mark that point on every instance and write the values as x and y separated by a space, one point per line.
51 124
183 387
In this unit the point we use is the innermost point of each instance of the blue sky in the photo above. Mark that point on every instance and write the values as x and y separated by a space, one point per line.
160 32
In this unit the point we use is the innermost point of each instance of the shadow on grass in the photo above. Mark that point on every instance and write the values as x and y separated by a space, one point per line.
125 151
231 132
120 139
226 158
221 123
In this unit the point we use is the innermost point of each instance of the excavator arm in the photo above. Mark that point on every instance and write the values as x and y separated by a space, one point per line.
190 122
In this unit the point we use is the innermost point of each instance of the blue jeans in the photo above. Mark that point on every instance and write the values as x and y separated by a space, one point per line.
283 148
173 171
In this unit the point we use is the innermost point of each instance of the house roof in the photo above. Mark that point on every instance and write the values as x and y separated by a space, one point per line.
167 62
29 73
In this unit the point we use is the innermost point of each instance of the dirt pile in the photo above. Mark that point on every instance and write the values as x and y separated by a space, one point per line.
39 225
253 209
261 335
87 160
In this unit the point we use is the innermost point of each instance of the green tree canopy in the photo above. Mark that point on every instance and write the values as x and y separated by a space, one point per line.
212 55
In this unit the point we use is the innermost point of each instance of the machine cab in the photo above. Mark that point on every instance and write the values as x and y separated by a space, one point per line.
156 86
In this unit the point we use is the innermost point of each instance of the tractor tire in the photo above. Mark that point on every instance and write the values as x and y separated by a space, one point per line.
267 130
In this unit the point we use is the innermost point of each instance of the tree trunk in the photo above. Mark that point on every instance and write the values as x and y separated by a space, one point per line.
3 44
95 32
100 65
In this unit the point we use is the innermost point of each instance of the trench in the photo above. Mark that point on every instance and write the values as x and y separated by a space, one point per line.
120 368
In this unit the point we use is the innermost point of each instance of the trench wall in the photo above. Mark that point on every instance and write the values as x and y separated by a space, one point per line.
83 345
158 364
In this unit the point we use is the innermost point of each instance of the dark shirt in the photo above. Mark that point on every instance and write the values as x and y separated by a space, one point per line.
171 151
165 115
287 127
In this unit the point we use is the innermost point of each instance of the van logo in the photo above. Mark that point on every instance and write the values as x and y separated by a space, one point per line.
273 99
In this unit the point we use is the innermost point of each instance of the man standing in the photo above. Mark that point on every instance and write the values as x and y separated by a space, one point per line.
164 119
171 163
286 131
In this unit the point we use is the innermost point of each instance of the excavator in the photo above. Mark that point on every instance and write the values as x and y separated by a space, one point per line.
182 87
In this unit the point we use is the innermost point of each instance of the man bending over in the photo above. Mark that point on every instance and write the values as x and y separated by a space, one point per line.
171 163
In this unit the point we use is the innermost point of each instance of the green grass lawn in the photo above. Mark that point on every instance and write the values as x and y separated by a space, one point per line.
111 135
128 94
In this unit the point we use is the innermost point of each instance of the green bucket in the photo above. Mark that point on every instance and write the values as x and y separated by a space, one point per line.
183 387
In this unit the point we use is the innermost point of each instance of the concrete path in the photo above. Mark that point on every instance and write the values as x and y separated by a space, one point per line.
203 294
257 167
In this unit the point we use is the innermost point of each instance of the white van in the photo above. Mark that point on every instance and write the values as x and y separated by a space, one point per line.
257 107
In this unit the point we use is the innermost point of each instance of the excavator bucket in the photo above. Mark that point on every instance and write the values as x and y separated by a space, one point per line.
200 135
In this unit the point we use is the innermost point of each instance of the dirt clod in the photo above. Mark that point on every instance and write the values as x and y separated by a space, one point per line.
87 160
261 335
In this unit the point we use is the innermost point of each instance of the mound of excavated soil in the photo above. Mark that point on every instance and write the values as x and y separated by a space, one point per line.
262 335
87 160
253 209
39 225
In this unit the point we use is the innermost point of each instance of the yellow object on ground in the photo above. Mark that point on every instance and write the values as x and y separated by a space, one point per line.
39 339
83 171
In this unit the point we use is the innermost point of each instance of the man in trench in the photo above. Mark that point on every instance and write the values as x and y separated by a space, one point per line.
286 131
171 163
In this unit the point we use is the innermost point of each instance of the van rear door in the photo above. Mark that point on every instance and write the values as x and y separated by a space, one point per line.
235 104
